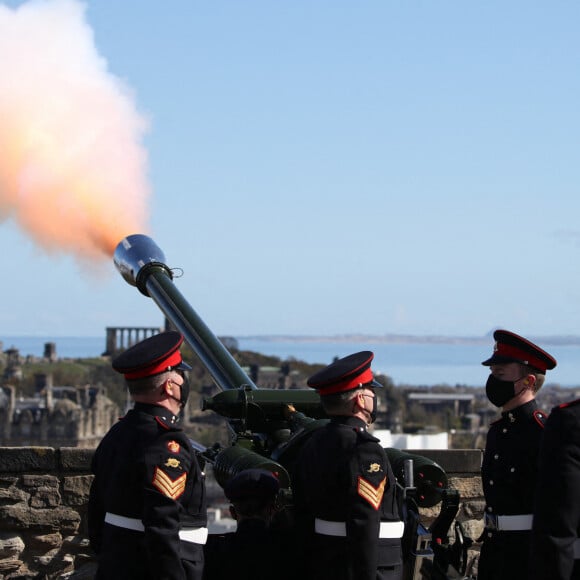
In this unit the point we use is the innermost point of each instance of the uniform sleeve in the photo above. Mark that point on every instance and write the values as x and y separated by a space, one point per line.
168 465
96 512
363 517
557 511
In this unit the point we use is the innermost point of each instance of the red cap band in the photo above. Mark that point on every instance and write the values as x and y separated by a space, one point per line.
521 355
347 384
171 361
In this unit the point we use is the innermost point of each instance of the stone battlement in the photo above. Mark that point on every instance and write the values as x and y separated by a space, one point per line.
43 503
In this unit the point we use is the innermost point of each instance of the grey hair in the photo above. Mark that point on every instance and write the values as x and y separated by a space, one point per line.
147 384
338 402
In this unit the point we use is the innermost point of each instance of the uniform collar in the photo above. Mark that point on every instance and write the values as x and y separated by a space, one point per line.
157 411
524 411
350 421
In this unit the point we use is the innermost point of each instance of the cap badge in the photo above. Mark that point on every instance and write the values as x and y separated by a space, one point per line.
374 468
172 462
173 446
495 347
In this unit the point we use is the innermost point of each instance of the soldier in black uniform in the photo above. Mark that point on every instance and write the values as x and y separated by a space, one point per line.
556 528
343 486
509 466
256 550
147 512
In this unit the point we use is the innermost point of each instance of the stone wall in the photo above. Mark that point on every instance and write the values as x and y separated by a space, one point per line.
43 500
463 469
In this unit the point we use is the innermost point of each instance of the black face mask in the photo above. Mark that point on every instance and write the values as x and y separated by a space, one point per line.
374 411
184 392
500 392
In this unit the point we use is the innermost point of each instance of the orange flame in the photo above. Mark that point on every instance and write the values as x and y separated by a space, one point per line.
73 170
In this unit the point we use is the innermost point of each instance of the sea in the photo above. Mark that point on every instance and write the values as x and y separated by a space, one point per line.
406 363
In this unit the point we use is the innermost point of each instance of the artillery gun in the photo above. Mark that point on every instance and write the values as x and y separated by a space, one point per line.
267 426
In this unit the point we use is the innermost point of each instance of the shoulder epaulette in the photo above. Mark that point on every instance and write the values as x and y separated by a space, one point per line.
569 404
540 417
365 435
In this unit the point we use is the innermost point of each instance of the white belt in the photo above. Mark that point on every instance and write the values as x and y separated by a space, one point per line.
123 522
194 535
386 530
517 523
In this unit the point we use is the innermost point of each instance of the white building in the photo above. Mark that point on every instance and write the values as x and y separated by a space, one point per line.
412 440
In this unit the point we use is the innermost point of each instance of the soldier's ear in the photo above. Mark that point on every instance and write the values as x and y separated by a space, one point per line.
166 388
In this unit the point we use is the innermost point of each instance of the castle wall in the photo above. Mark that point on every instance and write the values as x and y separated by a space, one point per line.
60 424
43 505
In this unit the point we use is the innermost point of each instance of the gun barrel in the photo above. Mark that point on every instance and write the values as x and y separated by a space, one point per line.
142 264
259 408
236 458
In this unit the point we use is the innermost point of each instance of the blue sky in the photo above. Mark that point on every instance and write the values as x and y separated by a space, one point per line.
327 167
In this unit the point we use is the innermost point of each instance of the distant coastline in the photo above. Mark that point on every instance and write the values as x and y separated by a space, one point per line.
404 339
558 340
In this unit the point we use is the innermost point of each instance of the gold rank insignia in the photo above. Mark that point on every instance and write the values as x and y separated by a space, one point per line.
172 462
172 488
173 446
374 468
370 493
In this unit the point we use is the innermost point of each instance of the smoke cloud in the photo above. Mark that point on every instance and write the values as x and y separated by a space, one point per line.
73 170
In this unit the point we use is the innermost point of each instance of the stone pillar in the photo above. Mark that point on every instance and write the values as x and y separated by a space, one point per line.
50 351
111 341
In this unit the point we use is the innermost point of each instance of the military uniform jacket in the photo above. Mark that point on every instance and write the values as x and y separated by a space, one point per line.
509 472
253 552
510 460
342 474
146 471
556 527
